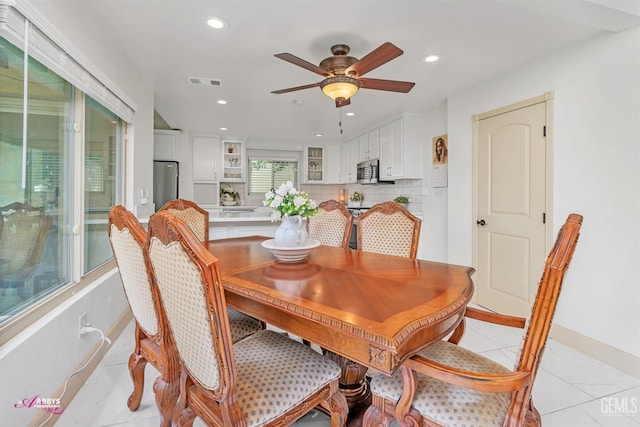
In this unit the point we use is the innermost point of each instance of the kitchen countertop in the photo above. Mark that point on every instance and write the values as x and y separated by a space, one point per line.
239 217
239 214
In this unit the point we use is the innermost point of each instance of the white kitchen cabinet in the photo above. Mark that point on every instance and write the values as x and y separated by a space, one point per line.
374 144
401 144
332 164
233 160
350 152
369 145
206 158
164 144
353 161
314 164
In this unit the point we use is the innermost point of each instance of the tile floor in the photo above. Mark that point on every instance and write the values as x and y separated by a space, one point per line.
571 389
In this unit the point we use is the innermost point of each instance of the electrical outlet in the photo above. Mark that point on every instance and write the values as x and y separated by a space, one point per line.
82 322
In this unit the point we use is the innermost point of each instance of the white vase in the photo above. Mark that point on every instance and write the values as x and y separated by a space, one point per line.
292 232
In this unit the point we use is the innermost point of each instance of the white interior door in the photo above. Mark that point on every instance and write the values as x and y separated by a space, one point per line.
511 203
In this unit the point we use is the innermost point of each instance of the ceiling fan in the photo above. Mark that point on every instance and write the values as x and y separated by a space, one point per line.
343 73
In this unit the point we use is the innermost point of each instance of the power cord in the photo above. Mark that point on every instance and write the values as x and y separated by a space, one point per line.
83 330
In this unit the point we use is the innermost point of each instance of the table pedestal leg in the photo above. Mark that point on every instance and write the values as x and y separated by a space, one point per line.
354 387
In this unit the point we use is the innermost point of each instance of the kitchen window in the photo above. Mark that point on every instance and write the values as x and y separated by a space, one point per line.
265 174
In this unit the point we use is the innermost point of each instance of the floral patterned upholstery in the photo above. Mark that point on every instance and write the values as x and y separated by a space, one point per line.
331 224
388 229
133 271
448 404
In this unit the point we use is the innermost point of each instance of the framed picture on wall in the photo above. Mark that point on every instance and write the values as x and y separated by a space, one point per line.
439 165
439 150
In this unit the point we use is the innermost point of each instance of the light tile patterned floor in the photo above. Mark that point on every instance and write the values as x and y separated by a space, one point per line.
571 389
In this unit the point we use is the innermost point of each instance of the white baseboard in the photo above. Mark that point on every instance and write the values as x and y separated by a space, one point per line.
77 381
605 353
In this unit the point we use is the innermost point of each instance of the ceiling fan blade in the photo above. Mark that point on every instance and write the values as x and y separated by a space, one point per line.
292 89
343 103
388 85
379 56
302 63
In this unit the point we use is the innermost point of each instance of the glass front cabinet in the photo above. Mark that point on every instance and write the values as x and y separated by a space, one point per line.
233 160
314 164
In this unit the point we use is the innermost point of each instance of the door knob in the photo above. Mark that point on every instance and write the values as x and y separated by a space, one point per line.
481 222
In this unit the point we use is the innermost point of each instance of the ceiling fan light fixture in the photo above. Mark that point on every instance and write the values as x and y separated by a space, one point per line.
340 87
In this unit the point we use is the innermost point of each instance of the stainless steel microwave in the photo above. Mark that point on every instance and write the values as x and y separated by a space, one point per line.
368 172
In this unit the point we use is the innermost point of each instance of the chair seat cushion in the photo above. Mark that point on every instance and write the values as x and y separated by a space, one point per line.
448 404
276 373
242 325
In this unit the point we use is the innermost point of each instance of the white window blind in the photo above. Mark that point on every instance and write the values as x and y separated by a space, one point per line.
265 174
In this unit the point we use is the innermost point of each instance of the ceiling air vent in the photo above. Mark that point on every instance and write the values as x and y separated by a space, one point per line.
205 81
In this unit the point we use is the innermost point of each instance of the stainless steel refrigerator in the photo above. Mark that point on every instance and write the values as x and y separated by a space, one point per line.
166 177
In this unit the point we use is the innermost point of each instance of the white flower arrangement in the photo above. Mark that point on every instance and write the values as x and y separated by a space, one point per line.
287 201
229 193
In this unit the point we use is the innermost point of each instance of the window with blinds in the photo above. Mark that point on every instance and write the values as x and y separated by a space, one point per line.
265 174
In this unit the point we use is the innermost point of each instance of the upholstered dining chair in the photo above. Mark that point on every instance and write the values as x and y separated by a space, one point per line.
128 241
331 225
389 228
196 218
22 239
264 379
447 385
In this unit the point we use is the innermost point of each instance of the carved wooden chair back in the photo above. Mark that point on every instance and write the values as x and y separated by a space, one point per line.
331 225
196 218
128 241
442 382
22 238
221 382
389 228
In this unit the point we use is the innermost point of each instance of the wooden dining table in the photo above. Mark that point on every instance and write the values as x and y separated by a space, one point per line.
365 310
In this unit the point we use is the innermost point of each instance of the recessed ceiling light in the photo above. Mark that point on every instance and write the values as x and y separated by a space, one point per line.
222 101
223 128
319 134
298 102
217 23
432 57
350 114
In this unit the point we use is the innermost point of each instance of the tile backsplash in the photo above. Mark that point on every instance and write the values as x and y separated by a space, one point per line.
373 194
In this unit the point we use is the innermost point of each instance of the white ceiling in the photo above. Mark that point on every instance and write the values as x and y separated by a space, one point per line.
479 39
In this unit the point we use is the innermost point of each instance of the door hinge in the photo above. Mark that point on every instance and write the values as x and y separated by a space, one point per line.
544 217
544 131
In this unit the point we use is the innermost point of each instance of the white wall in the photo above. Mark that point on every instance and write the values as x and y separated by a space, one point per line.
596 158
434 200
37 361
